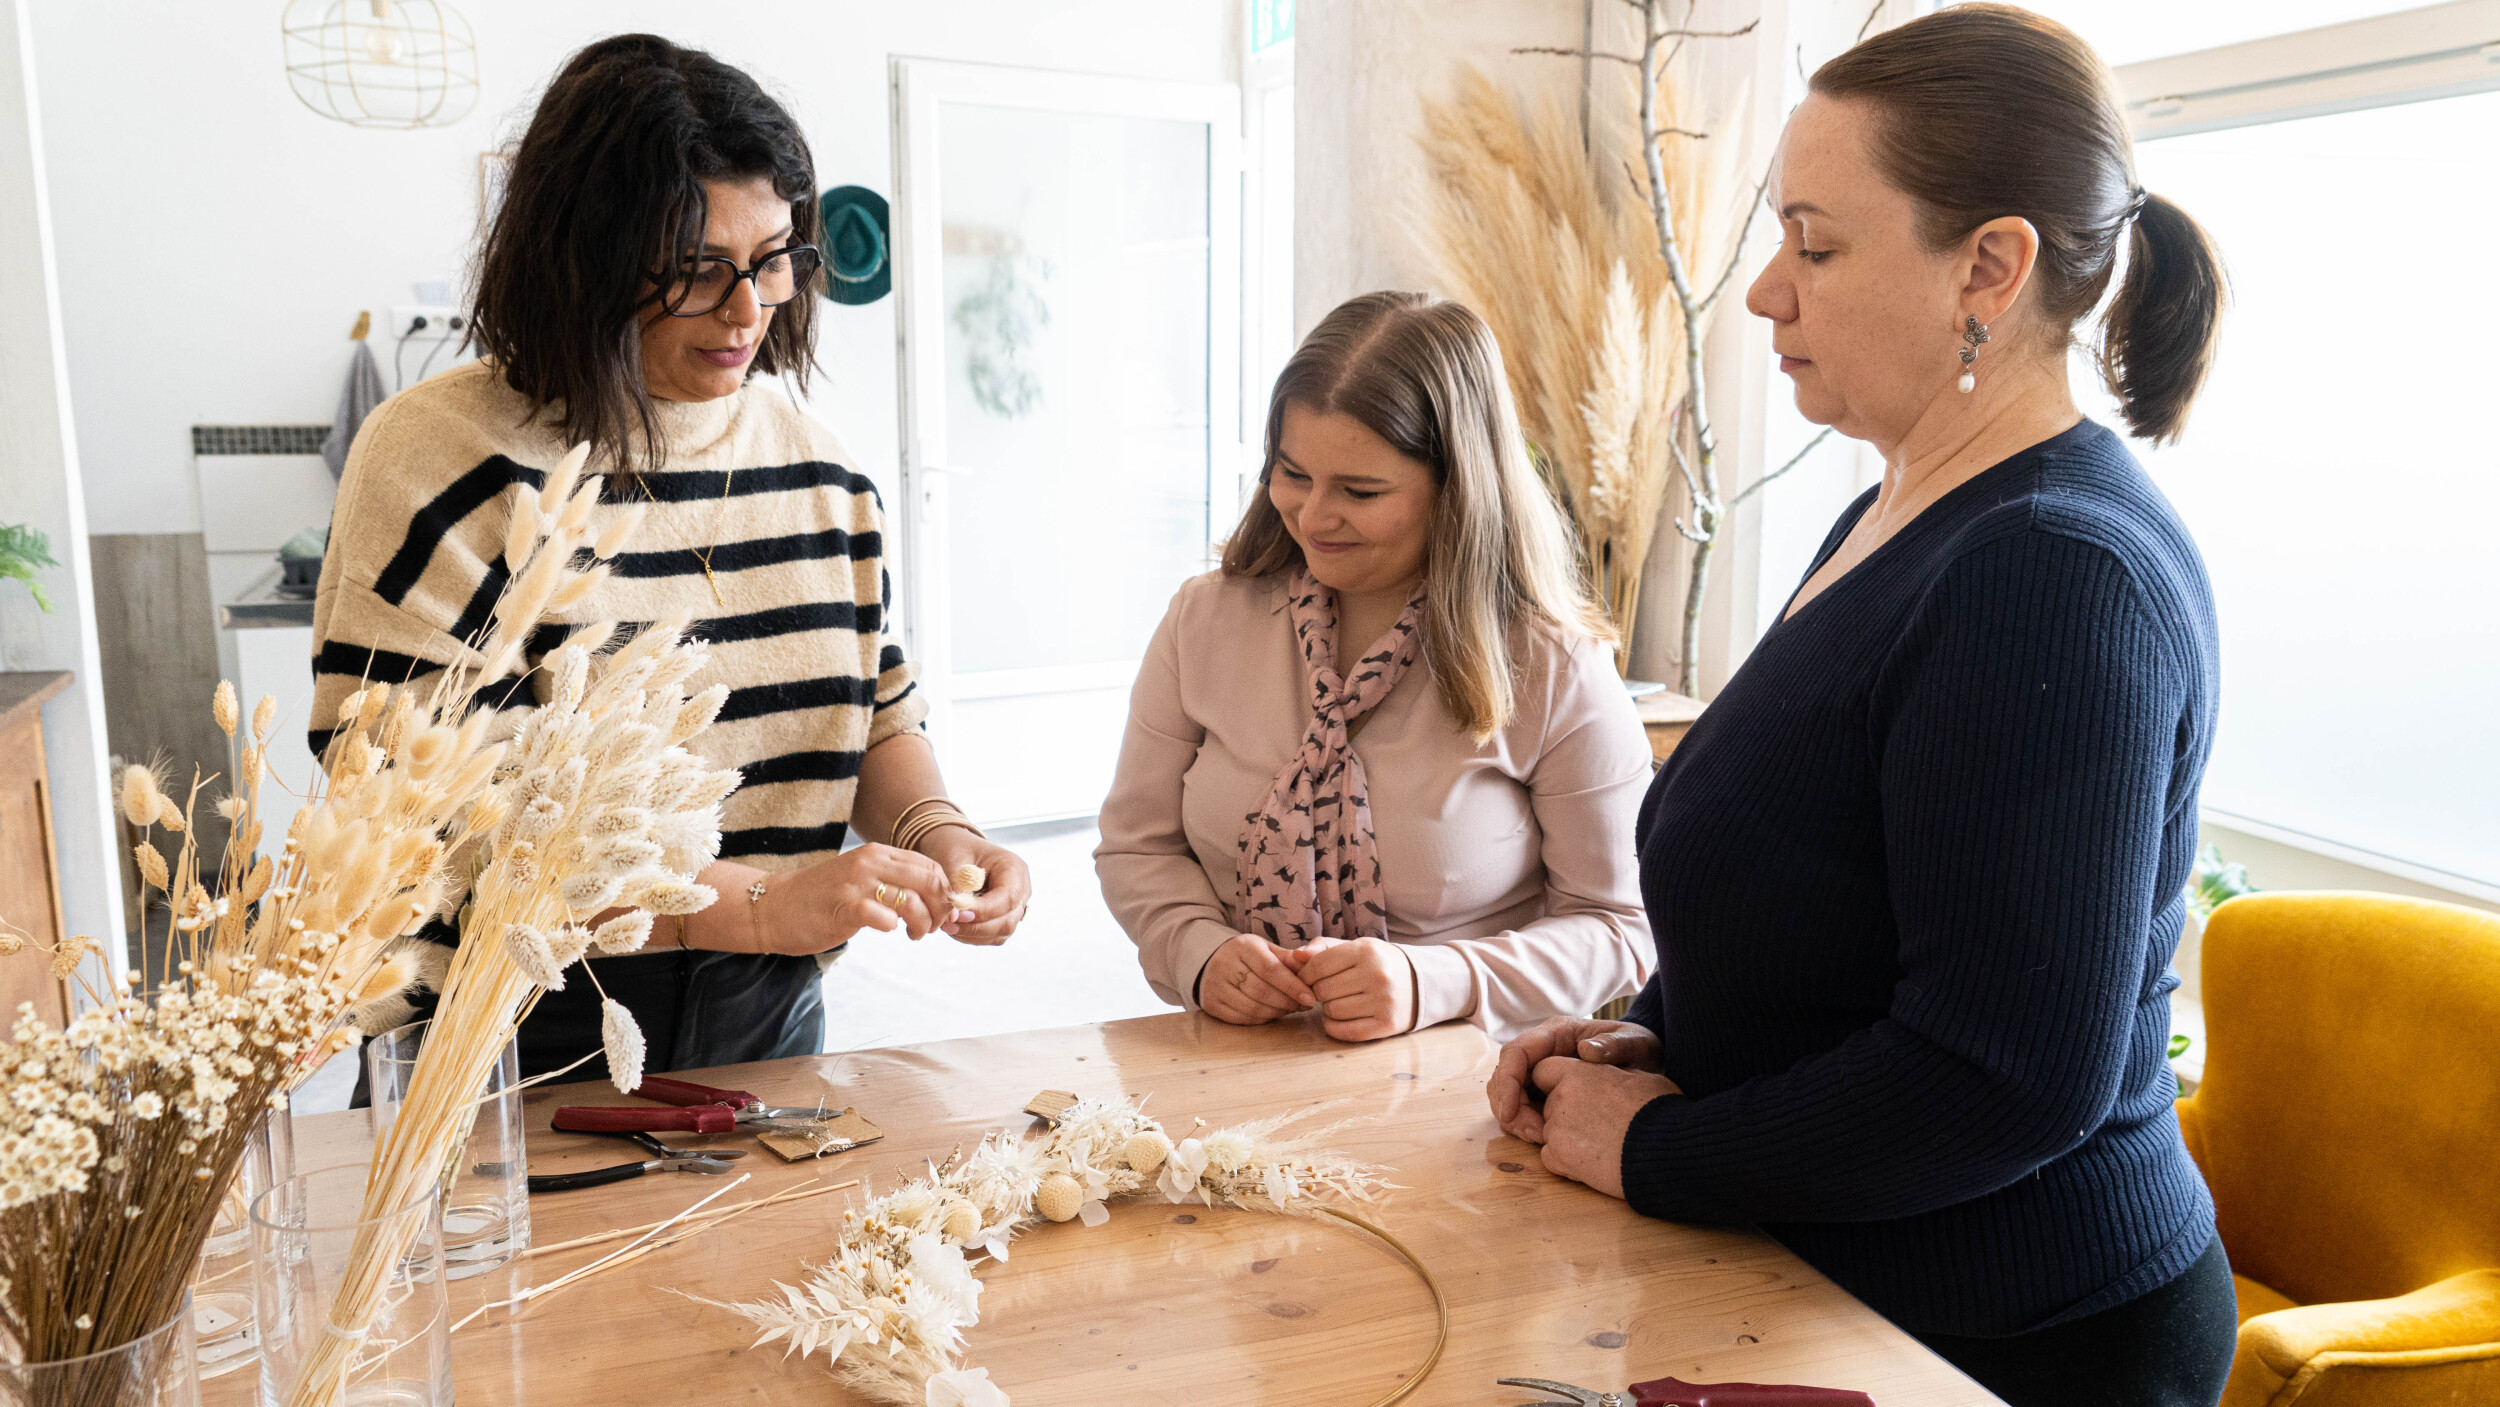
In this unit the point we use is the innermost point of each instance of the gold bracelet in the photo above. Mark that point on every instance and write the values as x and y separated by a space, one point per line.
909 835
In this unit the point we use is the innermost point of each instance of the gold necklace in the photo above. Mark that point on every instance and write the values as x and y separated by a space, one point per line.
720 515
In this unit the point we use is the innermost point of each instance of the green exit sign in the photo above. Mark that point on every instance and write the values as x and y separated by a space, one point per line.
1271 23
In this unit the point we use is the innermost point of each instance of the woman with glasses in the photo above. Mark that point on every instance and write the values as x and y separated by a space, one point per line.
654 252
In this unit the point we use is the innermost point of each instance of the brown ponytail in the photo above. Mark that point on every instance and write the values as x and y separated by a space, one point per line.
1990 110
2157 339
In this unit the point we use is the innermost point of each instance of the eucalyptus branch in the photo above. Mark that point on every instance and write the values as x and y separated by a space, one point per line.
1793 461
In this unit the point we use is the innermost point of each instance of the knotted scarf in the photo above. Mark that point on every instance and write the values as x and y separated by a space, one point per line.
1308 866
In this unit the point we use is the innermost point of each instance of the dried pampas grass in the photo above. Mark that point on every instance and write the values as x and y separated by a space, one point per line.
1557 251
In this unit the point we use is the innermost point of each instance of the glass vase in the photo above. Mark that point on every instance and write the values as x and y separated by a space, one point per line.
486 1200
222 1317
386 1343
157 1369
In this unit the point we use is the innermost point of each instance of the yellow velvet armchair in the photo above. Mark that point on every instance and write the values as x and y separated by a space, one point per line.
2349 1124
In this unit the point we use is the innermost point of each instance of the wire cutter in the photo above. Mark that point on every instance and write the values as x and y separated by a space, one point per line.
664 1159
700 1109
1674 1392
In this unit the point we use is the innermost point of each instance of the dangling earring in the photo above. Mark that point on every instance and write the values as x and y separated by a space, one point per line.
1974 332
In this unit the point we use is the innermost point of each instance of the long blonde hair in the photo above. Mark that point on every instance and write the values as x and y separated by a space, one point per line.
1423 374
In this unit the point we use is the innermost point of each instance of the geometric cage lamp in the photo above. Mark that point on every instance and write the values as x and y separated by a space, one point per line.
381 63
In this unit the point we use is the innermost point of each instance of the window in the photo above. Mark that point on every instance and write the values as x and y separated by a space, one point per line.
2341 474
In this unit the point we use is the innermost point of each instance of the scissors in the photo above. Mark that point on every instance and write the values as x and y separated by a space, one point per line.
665 1159
700 1109
1674 1392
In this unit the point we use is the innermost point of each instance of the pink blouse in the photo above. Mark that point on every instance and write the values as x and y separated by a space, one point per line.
1508 866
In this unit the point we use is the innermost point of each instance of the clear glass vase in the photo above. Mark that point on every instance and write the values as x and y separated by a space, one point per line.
486 1199
157 1369
222 1317
380 1341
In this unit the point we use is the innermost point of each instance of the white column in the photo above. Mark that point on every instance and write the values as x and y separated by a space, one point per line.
39 485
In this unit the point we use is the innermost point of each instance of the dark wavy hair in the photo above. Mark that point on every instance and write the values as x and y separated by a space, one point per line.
1991 110
605 188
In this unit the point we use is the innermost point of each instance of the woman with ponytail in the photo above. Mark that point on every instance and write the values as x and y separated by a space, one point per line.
1916 878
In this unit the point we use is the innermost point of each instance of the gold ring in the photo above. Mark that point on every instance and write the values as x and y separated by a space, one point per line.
1240 975
881 899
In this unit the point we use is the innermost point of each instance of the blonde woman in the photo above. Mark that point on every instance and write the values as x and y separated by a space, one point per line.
1380 764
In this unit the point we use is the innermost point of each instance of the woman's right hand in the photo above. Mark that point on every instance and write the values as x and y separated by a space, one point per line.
1625 1043
1250 982
873 886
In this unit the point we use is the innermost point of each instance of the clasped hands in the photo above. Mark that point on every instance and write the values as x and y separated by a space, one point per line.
1573 1086
880 887
1364 987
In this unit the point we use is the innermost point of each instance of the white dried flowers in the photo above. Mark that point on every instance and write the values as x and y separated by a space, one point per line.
890 1308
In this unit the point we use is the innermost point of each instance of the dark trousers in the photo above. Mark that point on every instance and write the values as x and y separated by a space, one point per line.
2170 1348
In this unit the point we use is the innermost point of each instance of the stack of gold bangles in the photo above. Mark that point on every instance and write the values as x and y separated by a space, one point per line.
925 816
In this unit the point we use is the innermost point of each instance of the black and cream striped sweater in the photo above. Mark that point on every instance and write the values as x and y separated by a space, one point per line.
797 546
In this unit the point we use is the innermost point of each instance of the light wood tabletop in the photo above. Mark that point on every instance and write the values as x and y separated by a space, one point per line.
1172 1303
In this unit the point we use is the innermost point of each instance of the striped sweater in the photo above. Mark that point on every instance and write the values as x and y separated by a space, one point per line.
796 543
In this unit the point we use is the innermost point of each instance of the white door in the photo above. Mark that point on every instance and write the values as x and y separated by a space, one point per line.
1068 270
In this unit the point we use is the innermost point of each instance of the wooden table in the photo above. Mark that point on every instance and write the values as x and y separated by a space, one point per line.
1665 716
1175 1303
30 877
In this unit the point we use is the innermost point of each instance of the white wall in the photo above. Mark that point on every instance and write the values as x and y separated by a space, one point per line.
39 484
217 239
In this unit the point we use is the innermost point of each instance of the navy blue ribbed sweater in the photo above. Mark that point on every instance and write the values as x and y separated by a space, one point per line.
1916 880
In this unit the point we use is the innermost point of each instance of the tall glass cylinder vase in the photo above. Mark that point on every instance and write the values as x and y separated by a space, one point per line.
221 1289
338 1333
486 1200
157 1369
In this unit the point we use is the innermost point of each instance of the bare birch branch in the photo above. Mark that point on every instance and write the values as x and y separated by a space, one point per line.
1744 237
1793 461
1560 52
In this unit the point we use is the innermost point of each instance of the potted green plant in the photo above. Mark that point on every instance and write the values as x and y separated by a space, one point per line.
24 550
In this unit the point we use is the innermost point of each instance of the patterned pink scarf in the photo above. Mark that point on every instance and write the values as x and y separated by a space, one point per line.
1308 866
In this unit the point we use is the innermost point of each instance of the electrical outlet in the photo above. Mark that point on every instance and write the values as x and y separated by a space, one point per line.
442 324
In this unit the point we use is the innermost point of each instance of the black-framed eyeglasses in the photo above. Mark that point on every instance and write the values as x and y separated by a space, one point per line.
700 285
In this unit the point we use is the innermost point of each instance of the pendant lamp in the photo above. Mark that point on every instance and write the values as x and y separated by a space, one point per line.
381 63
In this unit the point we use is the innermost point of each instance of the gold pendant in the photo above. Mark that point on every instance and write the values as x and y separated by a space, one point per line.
714 583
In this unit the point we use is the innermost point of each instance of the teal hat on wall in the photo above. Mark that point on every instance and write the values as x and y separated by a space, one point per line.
859 267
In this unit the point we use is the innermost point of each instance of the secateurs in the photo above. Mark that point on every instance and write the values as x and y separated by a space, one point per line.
700 1109
663 1159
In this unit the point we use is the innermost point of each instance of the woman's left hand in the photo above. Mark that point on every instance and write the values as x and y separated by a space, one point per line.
1007 888
1365 986
1588 1109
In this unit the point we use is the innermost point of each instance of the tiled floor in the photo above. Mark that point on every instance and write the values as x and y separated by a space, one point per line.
1070 964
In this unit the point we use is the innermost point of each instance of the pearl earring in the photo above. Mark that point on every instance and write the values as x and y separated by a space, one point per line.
1974 332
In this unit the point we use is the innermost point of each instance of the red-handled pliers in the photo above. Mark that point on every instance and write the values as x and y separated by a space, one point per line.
1674 1392
700 1109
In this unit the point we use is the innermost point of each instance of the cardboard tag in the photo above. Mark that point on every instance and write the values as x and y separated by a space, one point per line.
1050 1104
839 1134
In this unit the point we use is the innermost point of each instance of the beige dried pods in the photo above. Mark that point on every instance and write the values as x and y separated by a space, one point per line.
961 1223
1146 1151
1059 1196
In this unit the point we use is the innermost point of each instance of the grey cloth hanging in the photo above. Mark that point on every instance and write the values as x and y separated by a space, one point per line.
356 401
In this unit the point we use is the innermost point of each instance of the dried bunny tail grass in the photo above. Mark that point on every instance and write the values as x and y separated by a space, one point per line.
612 538
265 717
141 794
621 1039
222 705
577 509
559 484
578 590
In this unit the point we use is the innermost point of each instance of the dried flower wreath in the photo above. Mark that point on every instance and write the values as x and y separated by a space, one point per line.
901 1279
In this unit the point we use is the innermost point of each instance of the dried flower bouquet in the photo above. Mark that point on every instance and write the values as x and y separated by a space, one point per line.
597 804
120 1135
890 1307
